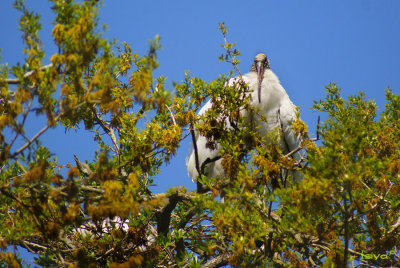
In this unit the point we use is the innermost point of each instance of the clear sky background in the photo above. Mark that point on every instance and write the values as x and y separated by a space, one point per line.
310 43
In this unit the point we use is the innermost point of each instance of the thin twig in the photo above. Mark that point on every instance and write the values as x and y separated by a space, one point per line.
393 227
187 134
298 148
26 145
172 115
22 123
231 57
108 130
44 129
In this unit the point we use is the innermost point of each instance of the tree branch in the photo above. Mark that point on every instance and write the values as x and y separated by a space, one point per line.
163 216
26 145
25 115
30 245
393 227
91 189
16 81
43 130
228 50
218 261
172 115
108 130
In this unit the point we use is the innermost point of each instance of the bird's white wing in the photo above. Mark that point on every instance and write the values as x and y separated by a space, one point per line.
215 168
212 169
107 225
290 140
287 114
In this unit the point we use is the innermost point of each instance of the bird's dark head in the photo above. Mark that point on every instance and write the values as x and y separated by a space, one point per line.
259 65
260 62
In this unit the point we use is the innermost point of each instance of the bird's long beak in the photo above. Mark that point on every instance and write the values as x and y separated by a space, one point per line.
260 73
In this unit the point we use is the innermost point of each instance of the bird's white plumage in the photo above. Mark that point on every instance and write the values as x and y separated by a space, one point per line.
212 169
275 105
107 225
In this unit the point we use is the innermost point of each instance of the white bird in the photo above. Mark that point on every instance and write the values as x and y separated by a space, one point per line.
106 226
90 229
270 99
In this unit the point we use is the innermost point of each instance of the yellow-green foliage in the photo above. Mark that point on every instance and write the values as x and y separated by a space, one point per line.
103 213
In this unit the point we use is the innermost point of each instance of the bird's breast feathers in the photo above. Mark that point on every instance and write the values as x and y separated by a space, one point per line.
272 92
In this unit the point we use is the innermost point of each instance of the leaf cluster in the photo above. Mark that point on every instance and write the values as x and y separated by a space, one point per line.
102 212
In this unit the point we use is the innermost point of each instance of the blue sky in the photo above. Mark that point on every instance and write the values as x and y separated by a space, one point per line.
309 44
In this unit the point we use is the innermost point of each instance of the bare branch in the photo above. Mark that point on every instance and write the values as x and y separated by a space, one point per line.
172 115
393 227
218 261
298 148
16 81
34 138
107 129
33 247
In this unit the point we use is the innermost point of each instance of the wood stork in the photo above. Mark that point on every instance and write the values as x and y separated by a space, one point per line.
270 99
